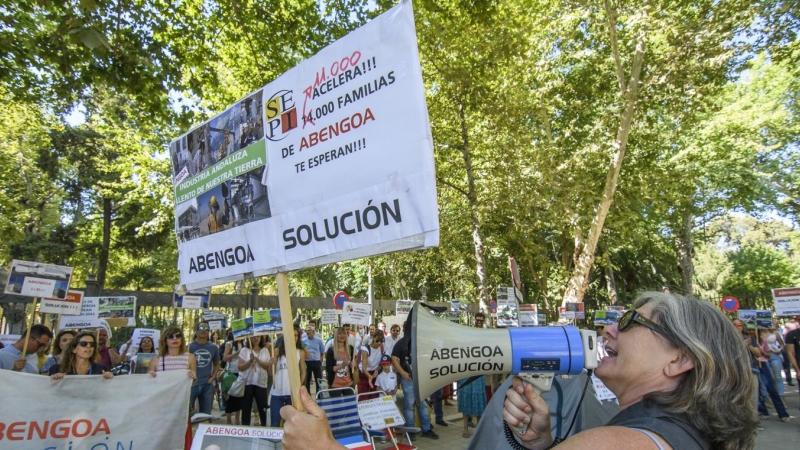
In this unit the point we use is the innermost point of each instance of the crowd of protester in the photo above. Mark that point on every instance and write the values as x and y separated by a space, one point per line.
366 360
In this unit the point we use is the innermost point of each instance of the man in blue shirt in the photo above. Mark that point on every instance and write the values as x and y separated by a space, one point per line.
11 356
315 348
207 355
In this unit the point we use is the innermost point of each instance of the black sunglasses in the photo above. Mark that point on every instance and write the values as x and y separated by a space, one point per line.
92 344
41 344
203 328
174 336
632 316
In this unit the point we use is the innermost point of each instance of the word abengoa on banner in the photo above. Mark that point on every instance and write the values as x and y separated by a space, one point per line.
331 161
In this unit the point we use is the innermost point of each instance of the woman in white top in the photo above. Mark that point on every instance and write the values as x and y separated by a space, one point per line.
281 394
253 364
775 344
371 355
173 354
233 405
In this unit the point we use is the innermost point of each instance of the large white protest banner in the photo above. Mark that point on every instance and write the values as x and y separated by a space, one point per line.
130 412
331 161
787 301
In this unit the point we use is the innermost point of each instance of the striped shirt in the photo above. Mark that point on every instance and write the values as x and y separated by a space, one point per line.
169 362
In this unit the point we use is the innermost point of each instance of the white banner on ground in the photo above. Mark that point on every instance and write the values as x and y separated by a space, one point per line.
357 313
132 411
231 437
330 317
331 161
69 306
787 301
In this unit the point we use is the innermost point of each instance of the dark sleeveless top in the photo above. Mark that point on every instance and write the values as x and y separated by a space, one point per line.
675 429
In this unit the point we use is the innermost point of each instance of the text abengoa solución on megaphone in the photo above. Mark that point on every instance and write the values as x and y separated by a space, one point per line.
444 352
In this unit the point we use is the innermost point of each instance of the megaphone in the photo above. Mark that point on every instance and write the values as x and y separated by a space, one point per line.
444 352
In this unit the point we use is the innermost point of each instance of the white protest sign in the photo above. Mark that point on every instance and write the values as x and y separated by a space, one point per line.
601 391
215 325
331 161
455 305
330 317
139 333
528 315
122 307
192 301
69 306
235 437
507 307
787 301
159 405
357 313
9 339
379 413
33 279
403 307
90 308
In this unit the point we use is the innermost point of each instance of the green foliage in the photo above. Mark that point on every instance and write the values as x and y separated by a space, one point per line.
759 268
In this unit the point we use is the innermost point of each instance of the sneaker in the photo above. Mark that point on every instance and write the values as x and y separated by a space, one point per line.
785 419
442 423
430 434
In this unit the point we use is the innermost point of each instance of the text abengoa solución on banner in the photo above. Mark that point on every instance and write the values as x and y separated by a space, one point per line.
331 161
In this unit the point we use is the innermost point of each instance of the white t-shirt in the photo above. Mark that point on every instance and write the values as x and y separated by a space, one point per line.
388 344
374 358
387 381
280 384
255 375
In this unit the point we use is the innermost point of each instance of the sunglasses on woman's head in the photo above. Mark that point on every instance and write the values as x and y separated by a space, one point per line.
87 344
174 336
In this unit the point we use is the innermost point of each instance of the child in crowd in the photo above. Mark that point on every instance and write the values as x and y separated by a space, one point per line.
387 379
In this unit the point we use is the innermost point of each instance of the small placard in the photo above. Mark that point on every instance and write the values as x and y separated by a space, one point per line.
379 413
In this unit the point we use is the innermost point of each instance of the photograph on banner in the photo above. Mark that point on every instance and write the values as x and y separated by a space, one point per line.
756 318
9 339
236 437
116 307
575 311
195 299
70 306
330 317
356 108
787 301
528 315
606 318
403 307
142 362
614 308
242 328
212 315
33 279
507 310
267 321
357 313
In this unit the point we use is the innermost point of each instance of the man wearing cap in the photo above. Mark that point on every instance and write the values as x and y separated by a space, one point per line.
11 356
207 356
315 348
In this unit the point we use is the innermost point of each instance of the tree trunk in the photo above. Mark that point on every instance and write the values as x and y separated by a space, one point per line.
472 199
685 249
611 285
104 248
629 90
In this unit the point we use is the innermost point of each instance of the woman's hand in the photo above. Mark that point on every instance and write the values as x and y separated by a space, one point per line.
107 375
521 399
192 375
57 376
152 373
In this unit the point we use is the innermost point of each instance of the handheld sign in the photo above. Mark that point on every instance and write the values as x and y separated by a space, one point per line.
339 298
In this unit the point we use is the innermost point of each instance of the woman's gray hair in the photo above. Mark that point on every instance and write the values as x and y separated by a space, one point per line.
717 394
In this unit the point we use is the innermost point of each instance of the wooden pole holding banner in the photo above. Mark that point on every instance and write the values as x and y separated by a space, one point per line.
292 363
30 325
